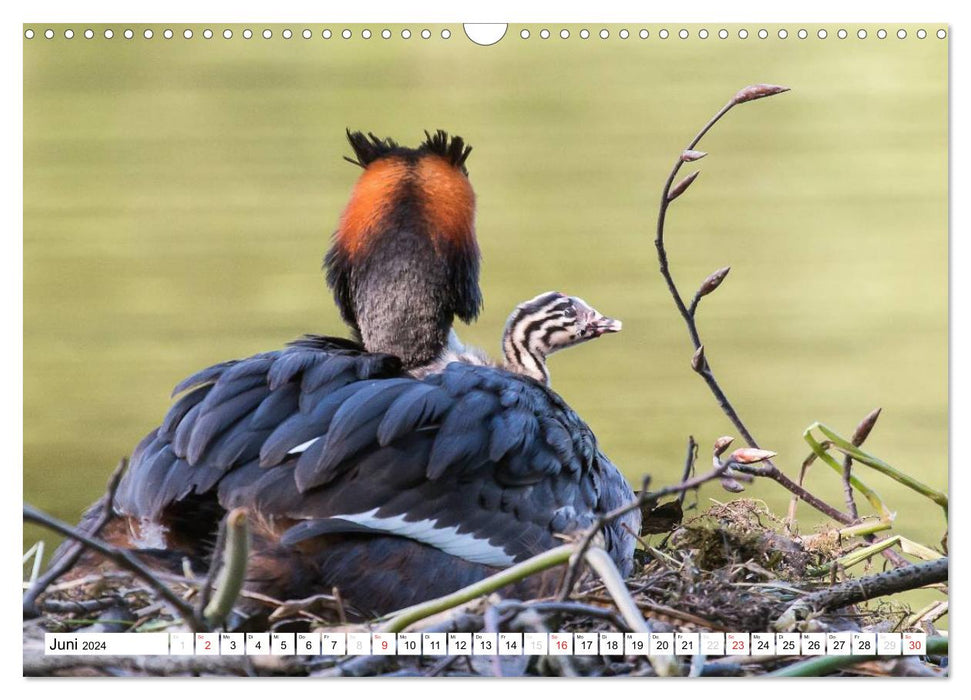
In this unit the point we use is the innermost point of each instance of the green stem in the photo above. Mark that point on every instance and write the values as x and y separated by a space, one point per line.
823 665
872 496
596 558
547 560
869 527
916 549
859 555
860 456
233 573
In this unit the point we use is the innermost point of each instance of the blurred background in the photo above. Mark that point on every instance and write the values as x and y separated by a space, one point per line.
179 196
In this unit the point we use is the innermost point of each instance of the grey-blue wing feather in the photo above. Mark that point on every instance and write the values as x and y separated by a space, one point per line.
471 458
233 411
447 453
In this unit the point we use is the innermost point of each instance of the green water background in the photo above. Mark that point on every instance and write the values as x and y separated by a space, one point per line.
179 195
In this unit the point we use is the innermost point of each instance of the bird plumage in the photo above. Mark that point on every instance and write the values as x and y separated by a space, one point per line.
477 462
405 261
361 465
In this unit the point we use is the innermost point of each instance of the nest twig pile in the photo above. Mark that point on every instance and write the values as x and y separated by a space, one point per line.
729 569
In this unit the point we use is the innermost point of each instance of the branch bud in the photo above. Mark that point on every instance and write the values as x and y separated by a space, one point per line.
698 361
757 92
750 455
866 425
687 156
679 189
713 281
722 443
731 485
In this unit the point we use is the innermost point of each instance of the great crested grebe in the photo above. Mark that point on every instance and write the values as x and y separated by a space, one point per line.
376 465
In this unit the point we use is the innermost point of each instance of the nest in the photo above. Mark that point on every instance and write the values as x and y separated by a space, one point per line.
730 569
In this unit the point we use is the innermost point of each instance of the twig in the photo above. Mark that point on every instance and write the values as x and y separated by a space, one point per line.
37 664
569 608
303 607
341 613
865 588
700 362
79 607
848 488
770 471
644 497
794 501
697 666
689 465
729 666
657 610
35 552
490 624
667 196
600 561
85 580
121 558
440 666
459 621
929 614
71 555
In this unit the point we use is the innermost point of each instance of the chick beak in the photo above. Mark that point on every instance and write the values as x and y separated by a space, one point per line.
600 325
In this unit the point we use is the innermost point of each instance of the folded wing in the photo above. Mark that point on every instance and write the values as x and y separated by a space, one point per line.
483 464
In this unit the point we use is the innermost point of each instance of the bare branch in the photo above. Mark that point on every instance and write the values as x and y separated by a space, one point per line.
689 465
751 92
700 362
866 588
769 470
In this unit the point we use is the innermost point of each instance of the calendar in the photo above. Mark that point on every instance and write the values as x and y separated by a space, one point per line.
310 457
488 644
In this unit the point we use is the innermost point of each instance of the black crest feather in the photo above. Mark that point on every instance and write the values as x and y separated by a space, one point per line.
369 148
451 149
